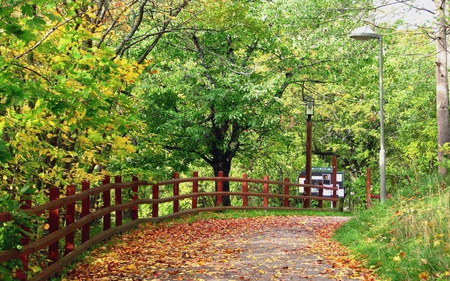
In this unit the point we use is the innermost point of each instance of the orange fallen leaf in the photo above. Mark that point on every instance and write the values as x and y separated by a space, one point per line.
423 276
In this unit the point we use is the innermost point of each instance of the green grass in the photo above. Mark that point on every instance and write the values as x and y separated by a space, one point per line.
407 238
232 214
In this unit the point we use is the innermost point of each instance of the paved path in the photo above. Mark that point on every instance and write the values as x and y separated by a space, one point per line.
278 248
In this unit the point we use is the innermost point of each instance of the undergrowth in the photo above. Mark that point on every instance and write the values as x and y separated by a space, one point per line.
407 237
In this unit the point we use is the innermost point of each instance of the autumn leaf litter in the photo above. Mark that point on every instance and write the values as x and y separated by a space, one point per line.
263 248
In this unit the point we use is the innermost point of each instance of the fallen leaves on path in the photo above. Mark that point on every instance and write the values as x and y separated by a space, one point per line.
263 248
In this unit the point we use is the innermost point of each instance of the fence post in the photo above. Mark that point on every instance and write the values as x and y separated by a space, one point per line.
118 201
85 210
53 221
155 195
307 193
266 190
70 218
134 209
176 192
320 205
286 192
24 240
219 189
334 180
106 203
245 190
194 190
368 203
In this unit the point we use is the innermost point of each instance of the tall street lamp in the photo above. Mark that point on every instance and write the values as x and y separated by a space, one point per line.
366 33
309 110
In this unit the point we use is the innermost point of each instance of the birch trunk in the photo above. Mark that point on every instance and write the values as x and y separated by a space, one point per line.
441 83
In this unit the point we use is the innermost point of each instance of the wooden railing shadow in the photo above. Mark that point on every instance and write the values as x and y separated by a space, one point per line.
51 210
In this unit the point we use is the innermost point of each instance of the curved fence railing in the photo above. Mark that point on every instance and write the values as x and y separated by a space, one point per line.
65 222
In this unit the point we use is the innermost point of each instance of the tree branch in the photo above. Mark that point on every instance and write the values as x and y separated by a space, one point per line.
120 49
173 14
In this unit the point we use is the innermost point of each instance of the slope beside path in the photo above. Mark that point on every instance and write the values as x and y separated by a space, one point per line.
262 248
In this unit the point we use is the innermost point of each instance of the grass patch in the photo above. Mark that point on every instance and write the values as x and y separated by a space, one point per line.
233 214
407 238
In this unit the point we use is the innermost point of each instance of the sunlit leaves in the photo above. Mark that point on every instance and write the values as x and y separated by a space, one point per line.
62 100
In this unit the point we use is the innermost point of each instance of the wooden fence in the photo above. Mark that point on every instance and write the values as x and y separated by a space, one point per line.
369 194
59 258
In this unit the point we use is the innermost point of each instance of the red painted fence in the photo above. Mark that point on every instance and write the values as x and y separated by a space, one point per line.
51 210
369 195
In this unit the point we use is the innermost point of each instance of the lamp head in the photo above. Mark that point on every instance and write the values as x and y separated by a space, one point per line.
364 33
309 107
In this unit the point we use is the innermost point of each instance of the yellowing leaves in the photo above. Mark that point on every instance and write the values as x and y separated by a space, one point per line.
127 71
58 59
123 143
62 95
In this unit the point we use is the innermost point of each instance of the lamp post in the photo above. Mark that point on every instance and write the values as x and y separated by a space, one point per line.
309 110
366 33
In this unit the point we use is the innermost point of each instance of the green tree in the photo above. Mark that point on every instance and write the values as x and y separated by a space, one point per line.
222 82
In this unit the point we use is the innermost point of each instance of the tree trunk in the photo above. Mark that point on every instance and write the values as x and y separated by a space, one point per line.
441 83
223 163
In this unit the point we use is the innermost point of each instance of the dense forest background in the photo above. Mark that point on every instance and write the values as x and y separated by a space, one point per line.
148 88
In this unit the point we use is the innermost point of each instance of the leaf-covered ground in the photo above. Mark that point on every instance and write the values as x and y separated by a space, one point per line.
263 248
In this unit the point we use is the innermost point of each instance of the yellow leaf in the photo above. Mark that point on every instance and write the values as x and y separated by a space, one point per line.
396 258
130 149
424 261
35 269
65 129
72 120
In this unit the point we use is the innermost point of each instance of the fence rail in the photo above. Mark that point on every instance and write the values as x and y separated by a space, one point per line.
51 211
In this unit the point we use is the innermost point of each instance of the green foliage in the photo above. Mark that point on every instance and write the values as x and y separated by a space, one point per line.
230 85
13 231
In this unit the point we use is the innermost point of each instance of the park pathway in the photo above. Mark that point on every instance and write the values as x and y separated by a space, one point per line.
263 248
